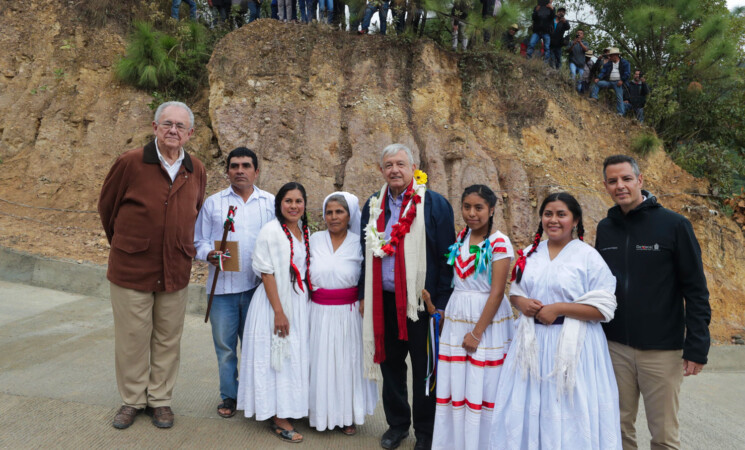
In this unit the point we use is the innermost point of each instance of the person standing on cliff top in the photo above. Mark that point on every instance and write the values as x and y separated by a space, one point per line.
406 230
660 332
234 290
148 206
543 20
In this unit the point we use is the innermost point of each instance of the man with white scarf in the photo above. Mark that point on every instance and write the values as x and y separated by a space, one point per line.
405 233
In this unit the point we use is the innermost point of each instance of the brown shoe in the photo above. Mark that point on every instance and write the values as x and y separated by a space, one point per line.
162 416
125 417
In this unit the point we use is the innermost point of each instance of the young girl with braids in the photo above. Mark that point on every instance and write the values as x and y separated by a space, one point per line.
557 388
478 327
275 355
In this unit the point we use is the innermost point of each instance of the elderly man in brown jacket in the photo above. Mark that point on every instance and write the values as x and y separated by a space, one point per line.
148 206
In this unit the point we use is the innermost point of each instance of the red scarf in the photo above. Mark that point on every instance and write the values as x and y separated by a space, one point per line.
395 247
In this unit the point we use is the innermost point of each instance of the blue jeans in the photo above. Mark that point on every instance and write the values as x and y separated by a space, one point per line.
546 45
176 4
307 10
383 16
556 56
253 11
227 316
638 112
576 74
602 84
326 10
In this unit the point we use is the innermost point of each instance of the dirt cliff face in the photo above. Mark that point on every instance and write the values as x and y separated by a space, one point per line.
63 120
318 106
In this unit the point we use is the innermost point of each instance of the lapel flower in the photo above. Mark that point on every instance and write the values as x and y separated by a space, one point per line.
420 177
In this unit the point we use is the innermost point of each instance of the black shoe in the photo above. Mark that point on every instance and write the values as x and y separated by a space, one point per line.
423 443
392 438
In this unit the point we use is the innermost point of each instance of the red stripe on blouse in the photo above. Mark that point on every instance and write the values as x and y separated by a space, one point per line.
475 362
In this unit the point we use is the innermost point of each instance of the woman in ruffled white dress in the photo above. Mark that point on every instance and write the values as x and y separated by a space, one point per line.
477 329
274 371
557 389
339 394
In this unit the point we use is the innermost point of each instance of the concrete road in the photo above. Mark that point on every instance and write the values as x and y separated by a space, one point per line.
57 387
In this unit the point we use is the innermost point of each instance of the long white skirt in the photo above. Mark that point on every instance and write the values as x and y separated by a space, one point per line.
262 391
339 394
467 382
530 415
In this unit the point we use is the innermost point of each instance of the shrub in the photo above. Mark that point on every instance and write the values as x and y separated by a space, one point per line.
645 144
148 63
171 65
708 160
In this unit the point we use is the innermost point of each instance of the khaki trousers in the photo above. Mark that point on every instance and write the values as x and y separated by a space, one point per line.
147 344
657 375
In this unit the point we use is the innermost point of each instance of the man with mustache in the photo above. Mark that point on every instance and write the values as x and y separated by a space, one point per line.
234 290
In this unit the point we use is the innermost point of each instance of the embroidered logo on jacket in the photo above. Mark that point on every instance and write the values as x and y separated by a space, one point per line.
648 248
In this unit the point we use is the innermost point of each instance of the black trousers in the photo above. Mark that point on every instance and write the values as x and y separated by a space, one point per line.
395 393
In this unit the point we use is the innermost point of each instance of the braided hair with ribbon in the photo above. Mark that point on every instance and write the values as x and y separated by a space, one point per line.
483 251
295 276
576 210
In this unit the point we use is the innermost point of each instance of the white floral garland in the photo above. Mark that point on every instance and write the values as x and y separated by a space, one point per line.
376 239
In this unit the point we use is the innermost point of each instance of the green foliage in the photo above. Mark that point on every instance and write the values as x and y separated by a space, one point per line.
171 64
706 159
689 51
645 144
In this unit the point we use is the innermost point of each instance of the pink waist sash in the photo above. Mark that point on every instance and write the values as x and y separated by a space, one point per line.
334 296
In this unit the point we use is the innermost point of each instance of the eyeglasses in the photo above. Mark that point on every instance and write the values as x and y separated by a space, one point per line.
180 127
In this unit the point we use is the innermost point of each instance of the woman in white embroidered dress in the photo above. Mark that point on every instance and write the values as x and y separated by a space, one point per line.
557 389
477 327
339 394
274 371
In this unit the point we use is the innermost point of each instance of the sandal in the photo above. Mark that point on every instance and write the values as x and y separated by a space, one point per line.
285 435
229 404
349 430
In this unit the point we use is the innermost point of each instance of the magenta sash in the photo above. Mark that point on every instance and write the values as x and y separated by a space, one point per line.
334 296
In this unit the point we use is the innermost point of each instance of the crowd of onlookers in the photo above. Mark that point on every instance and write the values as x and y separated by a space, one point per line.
550 35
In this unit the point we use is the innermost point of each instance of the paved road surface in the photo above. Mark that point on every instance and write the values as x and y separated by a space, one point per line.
57 388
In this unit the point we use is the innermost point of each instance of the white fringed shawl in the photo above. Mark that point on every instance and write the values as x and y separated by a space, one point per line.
570 343
415 258
272 256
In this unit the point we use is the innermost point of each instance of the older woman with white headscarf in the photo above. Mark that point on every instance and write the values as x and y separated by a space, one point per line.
339 394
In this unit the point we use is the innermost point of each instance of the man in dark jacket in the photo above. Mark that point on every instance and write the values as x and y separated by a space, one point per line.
614 74
663 309
635 96
543 19
559 28
577 59
386 287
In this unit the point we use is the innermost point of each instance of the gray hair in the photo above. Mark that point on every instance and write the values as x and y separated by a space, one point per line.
338 198
165 105
393 149
620 159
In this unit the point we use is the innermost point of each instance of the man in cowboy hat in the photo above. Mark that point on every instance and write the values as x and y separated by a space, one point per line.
508 38
584 82
614 74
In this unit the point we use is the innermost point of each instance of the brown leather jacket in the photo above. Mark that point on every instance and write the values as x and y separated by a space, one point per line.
149 221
